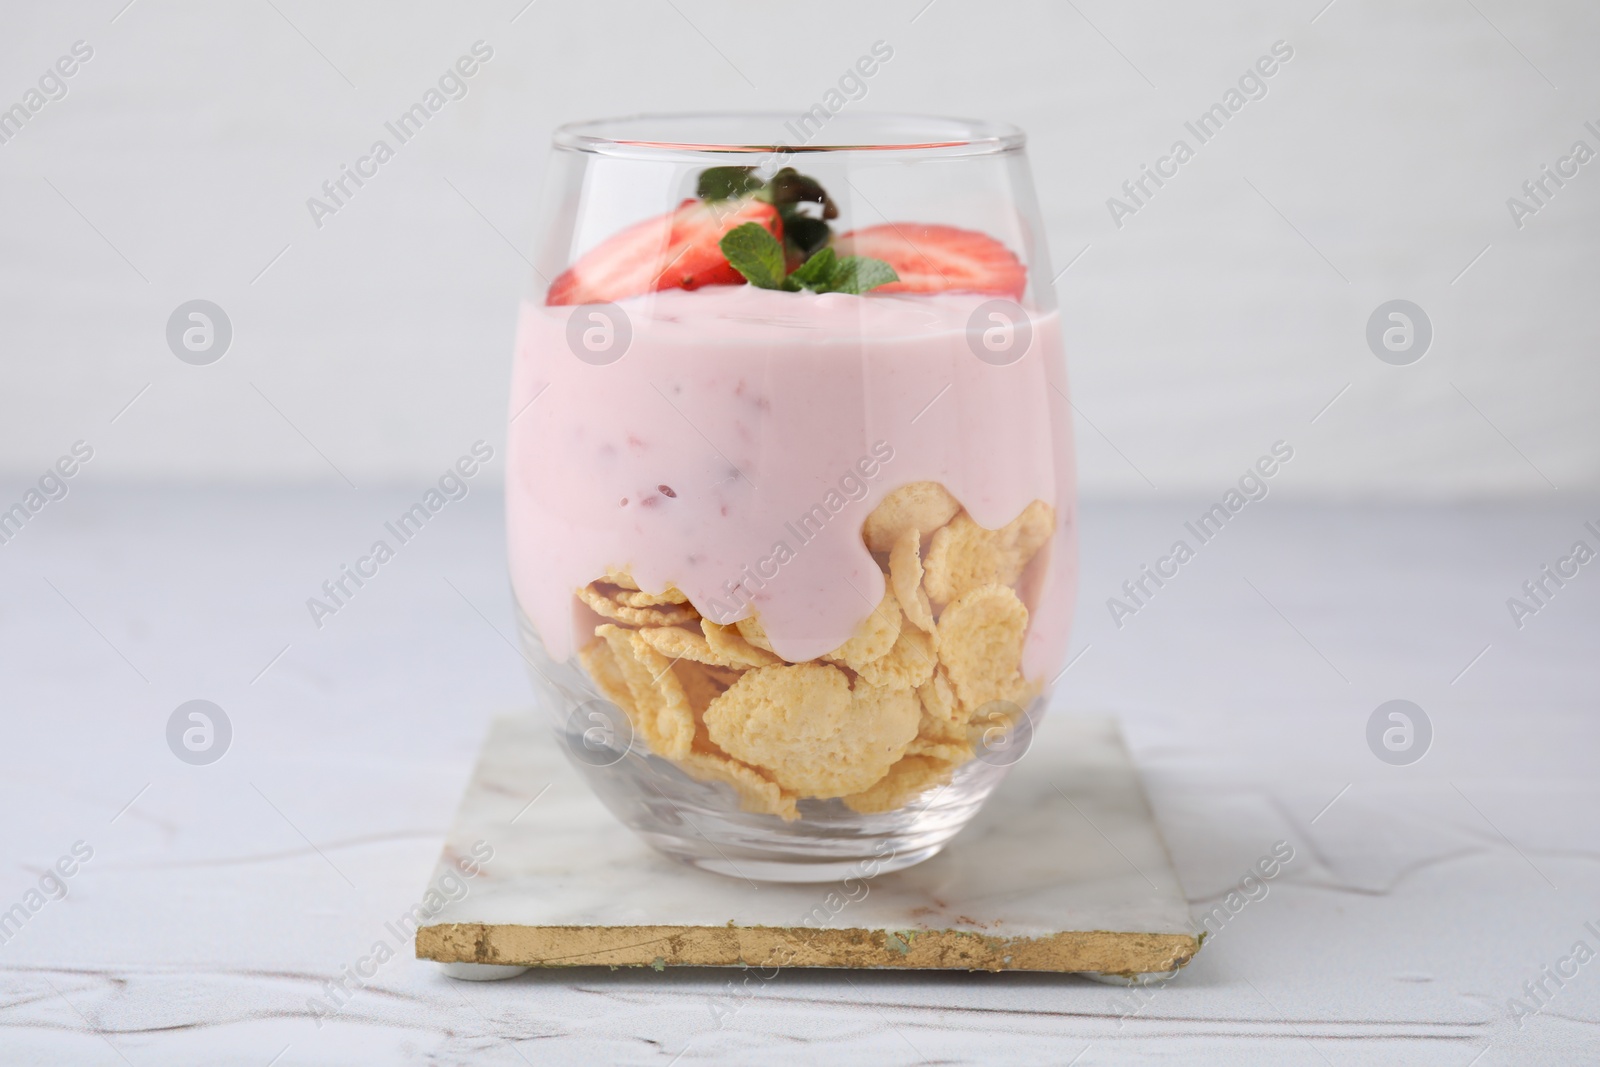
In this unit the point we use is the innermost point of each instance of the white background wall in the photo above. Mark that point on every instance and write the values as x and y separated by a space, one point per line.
1222 317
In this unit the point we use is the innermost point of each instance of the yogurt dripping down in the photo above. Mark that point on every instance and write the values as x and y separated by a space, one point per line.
739 420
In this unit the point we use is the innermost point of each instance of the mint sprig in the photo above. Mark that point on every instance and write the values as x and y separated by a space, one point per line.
805 208
755 253
802 202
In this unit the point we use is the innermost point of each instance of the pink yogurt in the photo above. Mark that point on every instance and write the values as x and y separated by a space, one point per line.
744 435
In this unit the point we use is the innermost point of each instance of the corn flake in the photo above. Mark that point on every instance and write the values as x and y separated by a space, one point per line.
938 699
635 599
940 737
874 636
700 686
952 752
601 665
964 555
942 731
702 683
980 645
607 606
804 727
909 664
757 794
662 717
905 576
674 716
734 648
679 643
920 506
754 633
621 577
904 781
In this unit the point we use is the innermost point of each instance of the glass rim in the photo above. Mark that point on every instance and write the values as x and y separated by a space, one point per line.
650 134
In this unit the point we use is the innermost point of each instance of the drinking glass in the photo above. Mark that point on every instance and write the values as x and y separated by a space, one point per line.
790 481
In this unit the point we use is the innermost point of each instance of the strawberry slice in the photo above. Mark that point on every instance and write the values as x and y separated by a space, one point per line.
678 250
931 259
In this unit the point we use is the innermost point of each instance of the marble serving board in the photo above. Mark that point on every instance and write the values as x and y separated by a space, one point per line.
1063 870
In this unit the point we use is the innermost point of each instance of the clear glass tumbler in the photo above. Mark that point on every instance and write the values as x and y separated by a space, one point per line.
790 483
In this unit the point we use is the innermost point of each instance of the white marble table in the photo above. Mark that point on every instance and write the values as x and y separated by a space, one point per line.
219 899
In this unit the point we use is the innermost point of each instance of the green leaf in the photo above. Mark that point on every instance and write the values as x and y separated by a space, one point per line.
755 253
858 274
815 271
825 272
727 183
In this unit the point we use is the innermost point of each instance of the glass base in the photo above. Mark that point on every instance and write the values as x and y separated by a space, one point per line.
776 870
701 823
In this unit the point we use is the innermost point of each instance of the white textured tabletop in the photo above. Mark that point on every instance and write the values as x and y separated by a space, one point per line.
1431 915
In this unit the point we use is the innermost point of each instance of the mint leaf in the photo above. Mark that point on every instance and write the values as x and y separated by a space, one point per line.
858 274
727 183
815 271
755 253
825 272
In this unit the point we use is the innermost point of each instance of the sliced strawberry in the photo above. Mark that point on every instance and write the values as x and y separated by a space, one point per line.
678 250
931 259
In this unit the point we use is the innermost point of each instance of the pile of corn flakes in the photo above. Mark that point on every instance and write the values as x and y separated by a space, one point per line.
887 715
